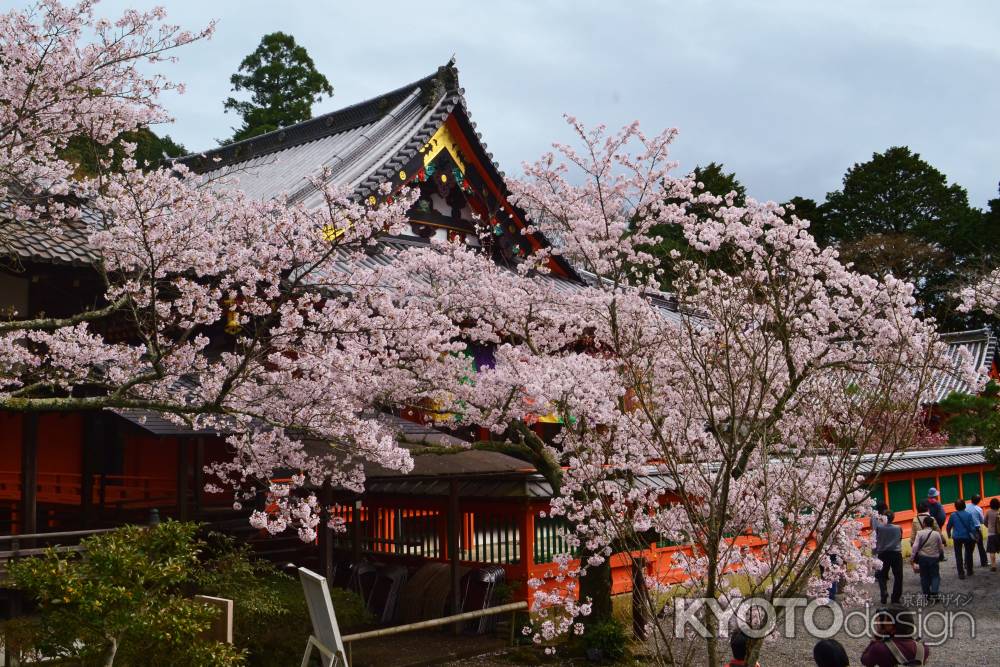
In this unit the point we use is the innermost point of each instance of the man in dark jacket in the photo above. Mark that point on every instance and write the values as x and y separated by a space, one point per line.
934 506
889 550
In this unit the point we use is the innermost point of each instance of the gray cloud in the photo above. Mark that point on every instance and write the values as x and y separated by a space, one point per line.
786 93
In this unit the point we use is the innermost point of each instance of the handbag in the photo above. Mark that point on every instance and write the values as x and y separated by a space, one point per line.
919 657
915 549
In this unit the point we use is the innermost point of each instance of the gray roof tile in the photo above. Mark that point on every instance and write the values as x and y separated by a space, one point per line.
981 346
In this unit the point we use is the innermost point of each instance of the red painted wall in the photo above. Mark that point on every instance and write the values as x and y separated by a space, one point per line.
10 442
60 437
150 456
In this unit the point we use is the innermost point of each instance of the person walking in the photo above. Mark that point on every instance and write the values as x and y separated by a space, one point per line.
976 511
889 550
830 653
881 509
918 521
928 550
895 641
960 529
738 642
934 506
992 523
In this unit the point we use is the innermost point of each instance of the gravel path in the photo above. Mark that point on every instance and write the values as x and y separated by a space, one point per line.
977 596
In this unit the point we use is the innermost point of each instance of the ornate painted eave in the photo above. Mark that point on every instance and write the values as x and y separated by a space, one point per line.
391 139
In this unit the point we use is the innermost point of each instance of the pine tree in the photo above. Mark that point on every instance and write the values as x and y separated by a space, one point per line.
283 84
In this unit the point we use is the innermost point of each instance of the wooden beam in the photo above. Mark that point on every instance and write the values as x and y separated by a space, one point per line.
29 473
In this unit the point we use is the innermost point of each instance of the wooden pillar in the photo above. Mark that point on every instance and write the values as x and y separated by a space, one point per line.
454 553
88 458
356 534
183 464
526 555
199 475
325 535
29 473
468 540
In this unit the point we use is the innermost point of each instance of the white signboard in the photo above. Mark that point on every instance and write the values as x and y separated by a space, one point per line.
326 633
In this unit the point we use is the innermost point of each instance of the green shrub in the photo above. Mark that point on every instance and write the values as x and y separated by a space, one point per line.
122 601
605 642
270 616
128 598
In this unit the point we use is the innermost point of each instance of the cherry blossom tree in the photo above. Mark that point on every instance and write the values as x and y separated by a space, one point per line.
753 394
310 352
983 294
757 396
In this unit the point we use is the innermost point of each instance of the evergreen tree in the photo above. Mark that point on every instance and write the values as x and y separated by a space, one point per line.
150 151
713 179
809 209
283 84
897 214
974 420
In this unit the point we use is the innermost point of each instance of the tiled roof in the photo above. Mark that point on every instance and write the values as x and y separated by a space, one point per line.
155 423
532 485
362 145
38 242
980 344
926 459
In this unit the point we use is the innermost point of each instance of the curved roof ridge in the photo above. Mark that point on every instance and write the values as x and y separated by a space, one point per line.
433 86
363 142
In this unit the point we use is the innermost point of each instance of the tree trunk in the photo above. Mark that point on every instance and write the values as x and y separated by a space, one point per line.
641 605
596 585
109 655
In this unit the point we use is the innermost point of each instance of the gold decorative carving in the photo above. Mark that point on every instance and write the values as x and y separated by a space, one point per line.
442 140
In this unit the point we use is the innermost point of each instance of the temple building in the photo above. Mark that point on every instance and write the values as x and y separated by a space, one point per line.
78 471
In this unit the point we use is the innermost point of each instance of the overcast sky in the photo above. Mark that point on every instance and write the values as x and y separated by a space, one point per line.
787 93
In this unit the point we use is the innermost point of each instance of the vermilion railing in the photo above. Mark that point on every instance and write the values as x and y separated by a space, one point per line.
66 488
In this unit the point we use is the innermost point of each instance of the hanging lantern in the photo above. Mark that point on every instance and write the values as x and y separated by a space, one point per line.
232 318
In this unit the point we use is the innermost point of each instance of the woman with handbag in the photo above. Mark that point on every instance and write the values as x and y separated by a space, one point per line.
928 552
